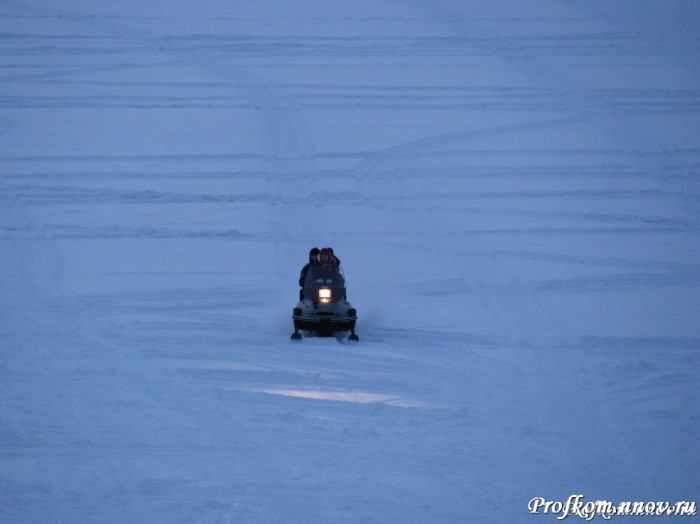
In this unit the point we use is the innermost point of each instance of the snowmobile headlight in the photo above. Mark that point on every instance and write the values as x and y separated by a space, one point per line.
324 295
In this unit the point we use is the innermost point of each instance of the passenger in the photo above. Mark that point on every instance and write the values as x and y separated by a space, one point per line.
331 264
328 258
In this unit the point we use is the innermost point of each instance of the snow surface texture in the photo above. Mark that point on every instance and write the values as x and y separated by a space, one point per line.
512 188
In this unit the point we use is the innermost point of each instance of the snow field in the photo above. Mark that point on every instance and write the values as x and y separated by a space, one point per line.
512 191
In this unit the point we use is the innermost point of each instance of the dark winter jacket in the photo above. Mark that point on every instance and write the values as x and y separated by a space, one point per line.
305 269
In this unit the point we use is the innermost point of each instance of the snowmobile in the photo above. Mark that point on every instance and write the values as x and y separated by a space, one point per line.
323 306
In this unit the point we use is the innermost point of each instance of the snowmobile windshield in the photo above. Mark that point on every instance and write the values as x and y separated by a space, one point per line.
324 276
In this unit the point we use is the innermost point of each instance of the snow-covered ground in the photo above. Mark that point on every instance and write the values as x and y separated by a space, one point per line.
513 188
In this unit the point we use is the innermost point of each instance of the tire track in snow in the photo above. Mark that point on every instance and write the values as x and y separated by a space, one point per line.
643 145
371 182
30 269
398 159
288 154
653 157
287 147
289 164
6 124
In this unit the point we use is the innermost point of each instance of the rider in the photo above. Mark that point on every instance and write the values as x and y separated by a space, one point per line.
313 259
